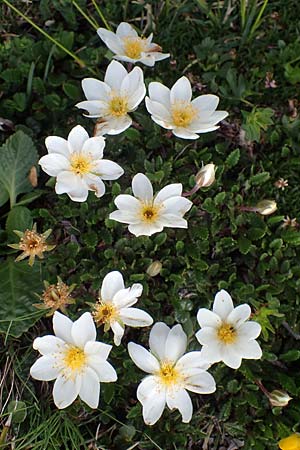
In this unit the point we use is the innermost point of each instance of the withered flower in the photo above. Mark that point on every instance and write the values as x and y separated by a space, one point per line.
56 296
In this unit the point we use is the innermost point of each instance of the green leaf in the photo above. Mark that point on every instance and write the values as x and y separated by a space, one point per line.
259 178
244 245
18 283
233 158
291 237
19 218
17 155
291 355
18 411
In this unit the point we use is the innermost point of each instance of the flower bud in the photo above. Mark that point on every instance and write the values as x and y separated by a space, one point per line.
279 398
206 176
291 442
266 207
154 268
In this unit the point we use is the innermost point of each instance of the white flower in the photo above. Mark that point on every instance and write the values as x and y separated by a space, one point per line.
112 100
225 333
75 359
77 164
128 46
114 306
174 110
172 373
206 176
147 215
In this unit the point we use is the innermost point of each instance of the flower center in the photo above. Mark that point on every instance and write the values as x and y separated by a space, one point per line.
80 164
32 242
74 358
227 333
149 213
169 375
134 46
183 114
104 312
118 106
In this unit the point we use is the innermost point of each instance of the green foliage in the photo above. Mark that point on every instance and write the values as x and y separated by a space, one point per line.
255 121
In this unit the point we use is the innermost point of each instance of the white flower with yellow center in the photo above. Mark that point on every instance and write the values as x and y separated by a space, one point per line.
226 334
175 110
114 308
128 46
74 359
146 214
111 101
77 164
172 373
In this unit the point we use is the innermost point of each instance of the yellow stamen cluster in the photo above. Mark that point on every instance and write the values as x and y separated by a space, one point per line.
183 114
74 358
80 163
118 106
134 46
32 244
169 375
149 213
104 312
227 333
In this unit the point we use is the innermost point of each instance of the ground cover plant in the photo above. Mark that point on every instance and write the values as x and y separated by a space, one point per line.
87 270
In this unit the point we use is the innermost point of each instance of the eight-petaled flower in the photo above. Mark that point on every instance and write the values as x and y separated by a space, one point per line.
75 359
175 110
128 46
172 373
111 101
113 310
146 214
226 334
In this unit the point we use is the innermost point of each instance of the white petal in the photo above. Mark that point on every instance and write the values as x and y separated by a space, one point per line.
176 343
115 74
73 185
158 56
165 124
95 184
90 388
127 202
248 350
134 317
153 407
148 387
158 111
157 340
230 357
45 369
134 88
223 304
217 116
125 298
239 315
94 146
95 108
65 391
113 125
184 133
95 90
118 331
211 353
142 188
62 326
111 284
206 104
190 361
201 383
112 41
124 217
83 330
171 190
177 205
48 344
160 93
201 127
207 318
249 330
181 90
126 30
56 144
108 170
180 399
173 220
144 229
207 335
104 370
97 349
77 137
54 163
142 358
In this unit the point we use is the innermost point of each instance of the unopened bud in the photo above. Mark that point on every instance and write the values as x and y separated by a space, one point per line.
154 268
279 398
206 176
266 207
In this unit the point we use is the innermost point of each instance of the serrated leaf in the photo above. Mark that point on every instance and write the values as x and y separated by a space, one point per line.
17 155
291 237
259 178
19 218
18 283
233 158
